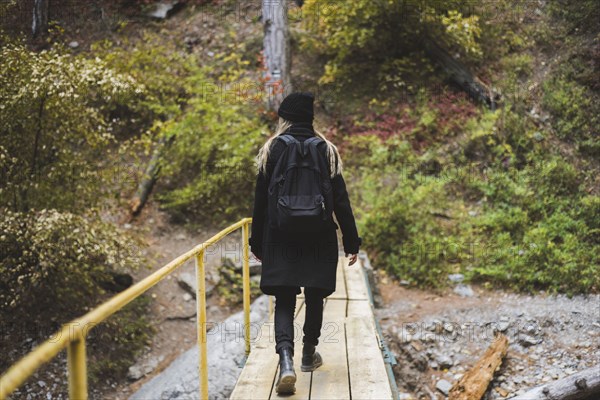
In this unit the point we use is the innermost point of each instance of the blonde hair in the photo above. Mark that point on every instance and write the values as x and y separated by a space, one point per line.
333 156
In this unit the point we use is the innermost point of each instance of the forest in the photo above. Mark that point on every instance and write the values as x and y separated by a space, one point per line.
129 129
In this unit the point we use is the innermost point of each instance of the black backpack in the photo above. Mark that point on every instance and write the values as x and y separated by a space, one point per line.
300 192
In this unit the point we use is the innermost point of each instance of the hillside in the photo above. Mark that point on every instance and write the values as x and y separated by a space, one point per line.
505 195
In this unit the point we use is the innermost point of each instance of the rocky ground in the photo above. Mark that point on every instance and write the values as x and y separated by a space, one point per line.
437 337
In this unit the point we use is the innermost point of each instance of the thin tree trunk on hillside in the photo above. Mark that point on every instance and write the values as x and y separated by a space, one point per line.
277 54
39 25
461 75
149 179
579 386
474 383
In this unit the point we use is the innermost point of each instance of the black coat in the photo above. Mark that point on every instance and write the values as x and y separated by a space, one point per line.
300 259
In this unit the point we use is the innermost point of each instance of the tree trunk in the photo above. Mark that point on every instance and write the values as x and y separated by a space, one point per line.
40 17
474 383
148 180
582 385
277 56
461 75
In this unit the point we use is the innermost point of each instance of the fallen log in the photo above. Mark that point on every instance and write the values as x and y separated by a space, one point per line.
474 382
461 75
579 386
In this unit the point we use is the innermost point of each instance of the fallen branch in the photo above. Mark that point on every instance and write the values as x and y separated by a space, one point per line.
474 383
181 317
582 385
461 75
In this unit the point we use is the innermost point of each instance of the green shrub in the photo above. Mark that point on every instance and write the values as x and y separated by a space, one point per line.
57 128
529 225
385 34
402 212
54 267
571 104
210 117
551 255
209 168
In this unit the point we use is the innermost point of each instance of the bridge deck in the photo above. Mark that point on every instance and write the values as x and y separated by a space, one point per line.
353 365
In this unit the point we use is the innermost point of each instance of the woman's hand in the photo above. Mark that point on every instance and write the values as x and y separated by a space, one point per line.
353 258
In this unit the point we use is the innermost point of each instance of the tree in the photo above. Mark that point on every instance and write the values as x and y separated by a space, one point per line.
40 17
277 54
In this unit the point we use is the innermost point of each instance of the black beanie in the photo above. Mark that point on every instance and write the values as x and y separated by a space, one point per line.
297 107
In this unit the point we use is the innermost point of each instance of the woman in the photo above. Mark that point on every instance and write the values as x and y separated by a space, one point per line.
294 260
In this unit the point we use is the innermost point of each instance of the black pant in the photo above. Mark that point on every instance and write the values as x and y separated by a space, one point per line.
285 306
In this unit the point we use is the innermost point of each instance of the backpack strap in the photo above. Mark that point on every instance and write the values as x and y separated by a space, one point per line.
313 139
288 139
310 147
308 143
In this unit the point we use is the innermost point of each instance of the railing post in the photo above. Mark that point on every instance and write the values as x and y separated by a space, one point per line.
201 316
246 284
77 370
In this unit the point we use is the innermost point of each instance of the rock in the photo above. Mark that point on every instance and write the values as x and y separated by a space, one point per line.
528 340
41 383
254 266
503 324
187 281
444 361
404 282
405 396
456 278
464 290
143 368
74 44
187 297
443 386
164 9
227 351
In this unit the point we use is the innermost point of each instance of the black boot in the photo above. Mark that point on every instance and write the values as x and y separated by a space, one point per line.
287 376
311 359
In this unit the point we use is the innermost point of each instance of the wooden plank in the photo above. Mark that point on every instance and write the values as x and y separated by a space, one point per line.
303 378
368 376
360 308
330 381
340 283
258 375
355 281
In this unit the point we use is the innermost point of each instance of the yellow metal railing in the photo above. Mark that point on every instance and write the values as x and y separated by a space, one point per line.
73 334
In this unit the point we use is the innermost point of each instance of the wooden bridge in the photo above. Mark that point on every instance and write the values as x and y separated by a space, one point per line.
352 350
